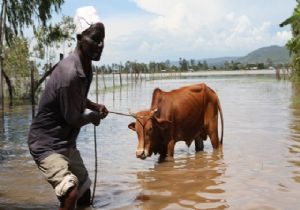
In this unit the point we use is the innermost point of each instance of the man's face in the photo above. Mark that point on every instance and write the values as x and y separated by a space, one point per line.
92 41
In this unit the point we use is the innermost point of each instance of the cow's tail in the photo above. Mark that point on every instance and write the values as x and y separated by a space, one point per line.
222 120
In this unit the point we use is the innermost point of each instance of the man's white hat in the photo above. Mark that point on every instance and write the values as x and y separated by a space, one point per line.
84 18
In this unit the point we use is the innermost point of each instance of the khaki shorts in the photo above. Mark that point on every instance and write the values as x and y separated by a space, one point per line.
65 171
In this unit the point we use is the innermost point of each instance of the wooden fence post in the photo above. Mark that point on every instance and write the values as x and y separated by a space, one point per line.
120 68
96 73
103 78
32 88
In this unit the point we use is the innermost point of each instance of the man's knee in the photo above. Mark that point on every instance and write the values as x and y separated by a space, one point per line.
69 182
67 192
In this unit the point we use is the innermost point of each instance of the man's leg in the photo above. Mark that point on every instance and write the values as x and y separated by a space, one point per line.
56 169
68 201
78 168
85 199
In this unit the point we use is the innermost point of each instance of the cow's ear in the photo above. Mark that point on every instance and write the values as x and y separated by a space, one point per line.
132 126
163 124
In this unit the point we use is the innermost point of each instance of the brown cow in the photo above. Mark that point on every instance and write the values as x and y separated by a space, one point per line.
185 114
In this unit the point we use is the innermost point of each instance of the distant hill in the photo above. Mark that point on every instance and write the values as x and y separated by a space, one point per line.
278 55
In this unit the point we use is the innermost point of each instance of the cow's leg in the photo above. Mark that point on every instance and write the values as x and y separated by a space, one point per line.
170 150
199 146
171 146
162 158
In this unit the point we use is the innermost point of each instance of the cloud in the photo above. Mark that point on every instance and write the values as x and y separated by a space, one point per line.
171 29
283 36
84 17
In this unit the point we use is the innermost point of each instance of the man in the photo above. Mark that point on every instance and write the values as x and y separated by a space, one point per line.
61 114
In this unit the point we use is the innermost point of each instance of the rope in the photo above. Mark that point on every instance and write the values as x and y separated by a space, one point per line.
130 115
123 114
95 144
96 166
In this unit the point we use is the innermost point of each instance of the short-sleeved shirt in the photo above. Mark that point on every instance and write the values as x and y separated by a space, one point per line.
62 104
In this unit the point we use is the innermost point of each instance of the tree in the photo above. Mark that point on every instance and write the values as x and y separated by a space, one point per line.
226 65
260 66
168 64
23 13
294 43
184 65
200 65
15 15
205 66
54 36
17 67
50 37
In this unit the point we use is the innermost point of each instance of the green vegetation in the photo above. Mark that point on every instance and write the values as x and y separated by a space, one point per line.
48 39
15 65
294 43
15 15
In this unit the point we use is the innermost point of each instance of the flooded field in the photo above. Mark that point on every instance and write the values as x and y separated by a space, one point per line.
257 168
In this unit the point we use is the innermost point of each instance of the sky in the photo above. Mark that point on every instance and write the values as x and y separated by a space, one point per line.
160 30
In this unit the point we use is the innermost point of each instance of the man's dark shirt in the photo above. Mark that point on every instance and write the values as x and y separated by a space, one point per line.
61 105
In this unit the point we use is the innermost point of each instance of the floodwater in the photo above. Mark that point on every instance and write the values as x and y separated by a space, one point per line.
258 166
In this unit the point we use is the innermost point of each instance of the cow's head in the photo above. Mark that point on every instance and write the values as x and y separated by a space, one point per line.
151 131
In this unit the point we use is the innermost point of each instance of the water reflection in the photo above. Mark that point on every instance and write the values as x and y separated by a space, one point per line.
294 147
13 139
23 187
1 120
191 182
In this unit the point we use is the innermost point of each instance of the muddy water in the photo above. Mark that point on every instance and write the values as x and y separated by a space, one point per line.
257 168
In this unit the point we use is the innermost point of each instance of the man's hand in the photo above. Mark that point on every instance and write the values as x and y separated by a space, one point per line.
102 110
94 117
